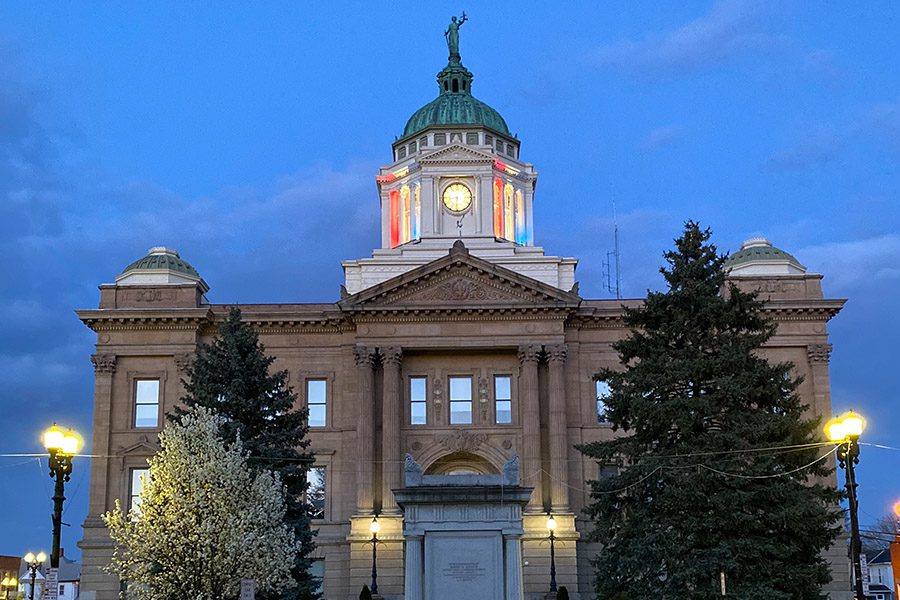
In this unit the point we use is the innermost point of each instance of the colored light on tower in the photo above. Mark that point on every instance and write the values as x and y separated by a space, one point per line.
395 218
498 207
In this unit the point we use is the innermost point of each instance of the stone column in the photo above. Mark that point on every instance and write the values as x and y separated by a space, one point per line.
819 356
414 570
558 429
365 364
104 369
390 430
531 426
514 586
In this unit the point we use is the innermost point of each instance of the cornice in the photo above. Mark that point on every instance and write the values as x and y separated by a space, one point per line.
184 319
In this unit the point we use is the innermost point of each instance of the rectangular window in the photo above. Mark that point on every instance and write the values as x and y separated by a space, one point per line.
488 140
315 493
440 139
423 141
316 401
605 471
603 392
401 152
500 145
412 148
503 399
138 478
472 139
62 589
146 403
460 400
317 570
417 403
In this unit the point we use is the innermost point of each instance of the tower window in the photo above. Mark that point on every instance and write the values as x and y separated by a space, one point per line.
446 87
503 399
603 392
440 139
456 85
412 147
401 153
423 141
488 140
464 85
460 400
316 401
472 139
417 401
500 145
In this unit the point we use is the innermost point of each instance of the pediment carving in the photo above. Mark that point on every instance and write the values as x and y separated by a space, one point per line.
457 153
460 286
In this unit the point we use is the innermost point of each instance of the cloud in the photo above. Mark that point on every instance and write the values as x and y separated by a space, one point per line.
850 265
661 137
732 30
822 143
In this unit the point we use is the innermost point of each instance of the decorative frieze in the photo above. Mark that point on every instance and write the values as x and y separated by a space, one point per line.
461 440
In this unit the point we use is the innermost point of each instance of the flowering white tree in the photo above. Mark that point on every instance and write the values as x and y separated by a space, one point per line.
204 521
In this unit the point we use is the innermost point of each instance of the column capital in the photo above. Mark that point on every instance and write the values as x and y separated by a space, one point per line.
819 353
364 356
529 354
557 354
392 355
104 363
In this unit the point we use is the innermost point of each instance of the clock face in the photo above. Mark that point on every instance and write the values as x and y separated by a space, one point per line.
457 197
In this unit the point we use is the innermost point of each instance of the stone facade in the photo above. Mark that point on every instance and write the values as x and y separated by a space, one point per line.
458 343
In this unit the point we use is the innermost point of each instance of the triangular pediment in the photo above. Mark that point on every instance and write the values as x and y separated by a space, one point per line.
456 154
460 282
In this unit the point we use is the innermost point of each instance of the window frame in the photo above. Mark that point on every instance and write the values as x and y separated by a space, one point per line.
132 471
450 401
133 378
410 401
498 400
600 415
326 403
324 510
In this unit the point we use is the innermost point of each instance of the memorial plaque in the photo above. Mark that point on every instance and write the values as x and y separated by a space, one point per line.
464 564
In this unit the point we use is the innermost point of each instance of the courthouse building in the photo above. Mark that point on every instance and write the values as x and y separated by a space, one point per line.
460 342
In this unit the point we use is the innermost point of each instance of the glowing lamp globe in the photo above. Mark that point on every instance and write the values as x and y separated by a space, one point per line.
29 558
71 443
849 425
374 527
897 510
53 438
41 557
551 523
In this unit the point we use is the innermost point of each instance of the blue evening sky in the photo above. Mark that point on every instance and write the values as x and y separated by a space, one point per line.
247 136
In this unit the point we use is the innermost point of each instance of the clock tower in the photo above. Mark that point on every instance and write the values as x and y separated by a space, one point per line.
457 175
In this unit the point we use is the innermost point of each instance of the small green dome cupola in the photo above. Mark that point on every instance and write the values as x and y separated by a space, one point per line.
161 266
455 104
758 256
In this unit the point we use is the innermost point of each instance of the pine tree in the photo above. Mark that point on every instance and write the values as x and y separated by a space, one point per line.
231 377
697 492
204 521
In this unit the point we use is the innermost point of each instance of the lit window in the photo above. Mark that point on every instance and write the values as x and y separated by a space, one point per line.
521 228
498 207
603 393
509 226
146 403
315 492
316 393
138 479
417 403
503 399
460 400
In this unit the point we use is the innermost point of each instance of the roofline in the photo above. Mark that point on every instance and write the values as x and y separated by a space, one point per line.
415 134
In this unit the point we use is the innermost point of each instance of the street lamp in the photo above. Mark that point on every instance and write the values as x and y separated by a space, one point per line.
34 563
8 583
551 527
845 431
374 527
62 446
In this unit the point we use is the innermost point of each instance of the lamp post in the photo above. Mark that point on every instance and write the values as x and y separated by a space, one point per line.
7 584
551 527
62 446
845 431
374 527
34 563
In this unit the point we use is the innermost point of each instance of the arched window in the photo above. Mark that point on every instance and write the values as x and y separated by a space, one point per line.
456 85
395 217
498 208
417 214
461 463
406 213
509 219
521 222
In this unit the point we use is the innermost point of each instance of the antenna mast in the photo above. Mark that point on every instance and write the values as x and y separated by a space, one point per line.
613 260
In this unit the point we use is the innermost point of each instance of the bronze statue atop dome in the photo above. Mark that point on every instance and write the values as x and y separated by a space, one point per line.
452 35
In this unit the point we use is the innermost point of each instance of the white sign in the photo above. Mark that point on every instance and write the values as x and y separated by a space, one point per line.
864 569
248 589
50 590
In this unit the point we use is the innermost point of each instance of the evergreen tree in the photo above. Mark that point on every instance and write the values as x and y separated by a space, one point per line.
699 490
231 377
204 521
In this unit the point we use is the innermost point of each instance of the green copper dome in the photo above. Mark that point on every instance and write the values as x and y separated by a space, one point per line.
455 104
162 258
455 109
